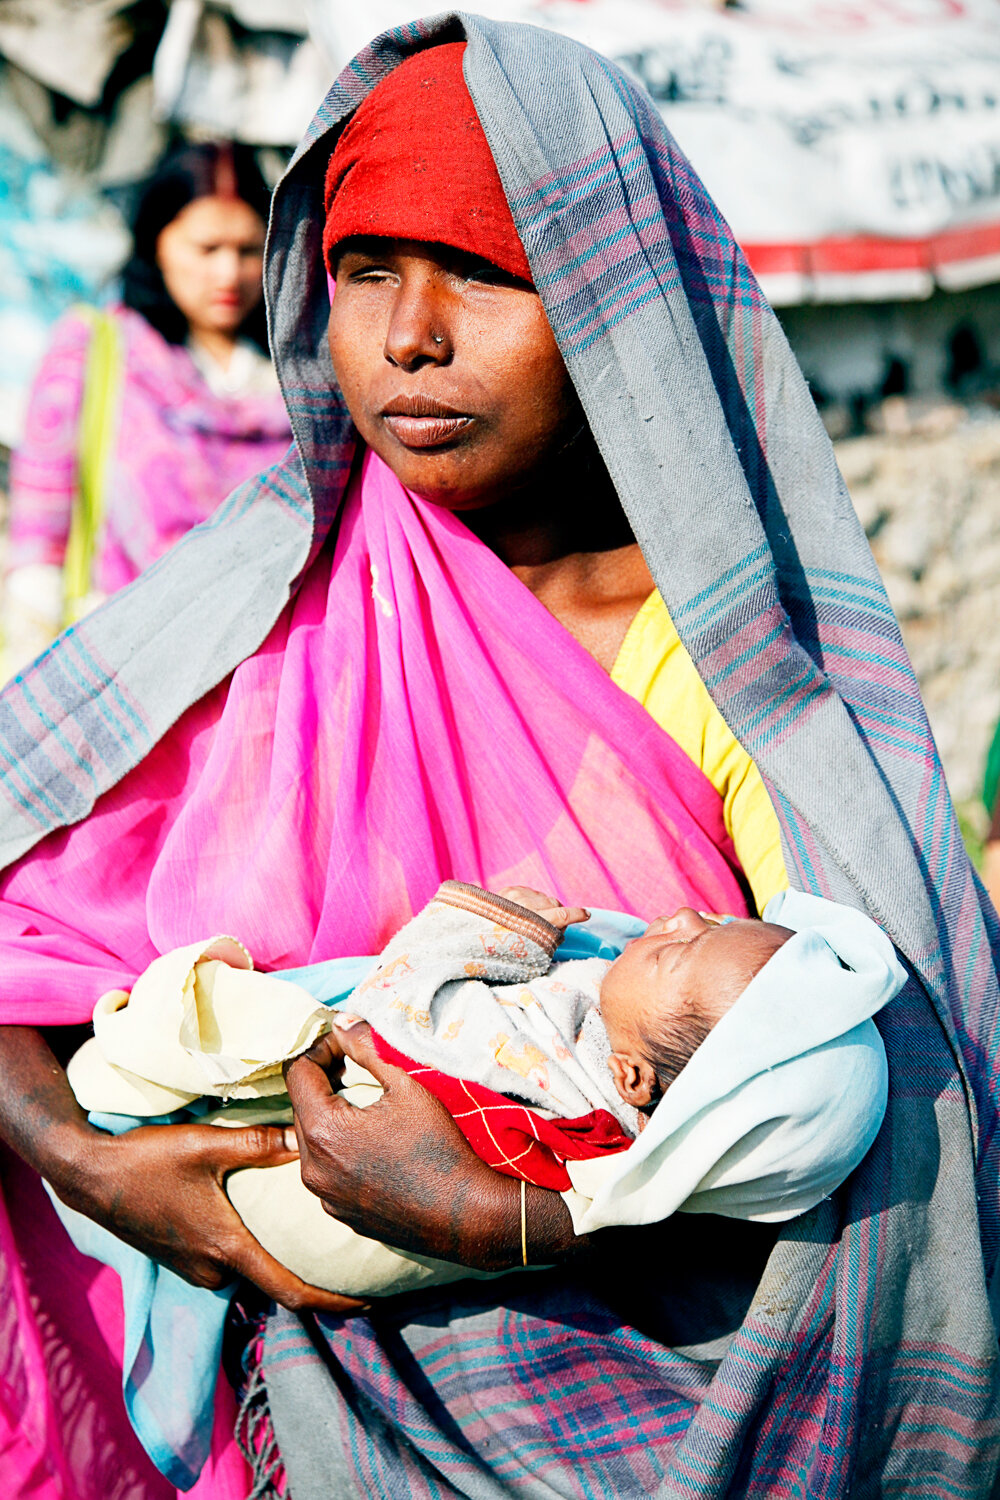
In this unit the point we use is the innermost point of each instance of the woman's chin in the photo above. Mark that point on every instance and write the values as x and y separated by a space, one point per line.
226 319
442 476
451 499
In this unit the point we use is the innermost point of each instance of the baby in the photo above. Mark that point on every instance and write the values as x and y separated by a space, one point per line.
741 1050
471 989
661 998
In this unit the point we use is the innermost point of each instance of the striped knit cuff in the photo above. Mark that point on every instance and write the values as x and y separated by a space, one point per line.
486 904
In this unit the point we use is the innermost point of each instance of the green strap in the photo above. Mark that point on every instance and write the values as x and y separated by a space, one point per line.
991 779
96 437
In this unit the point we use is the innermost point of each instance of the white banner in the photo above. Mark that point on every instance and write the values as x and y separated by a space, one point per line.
854 145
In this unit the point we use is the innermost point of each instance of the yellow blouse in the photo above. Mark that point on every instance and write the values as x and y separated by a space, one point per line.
654 667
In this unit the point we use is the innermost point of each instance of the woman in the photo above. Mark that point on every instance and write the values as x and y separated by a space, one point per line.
435 698
144 417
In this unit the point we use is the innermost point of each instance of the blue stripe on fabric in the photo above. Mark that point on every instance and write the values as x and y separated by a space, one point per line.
112 687
759 558
793 830
715 679
50 724
805 681
576 184
34 787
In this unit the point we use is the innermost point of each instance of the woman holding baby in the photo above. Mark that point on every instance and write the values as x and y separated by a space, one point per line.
559 589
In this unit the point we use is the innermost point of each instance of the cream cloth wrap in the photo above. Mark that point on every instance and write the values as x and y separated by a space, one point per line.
200 1021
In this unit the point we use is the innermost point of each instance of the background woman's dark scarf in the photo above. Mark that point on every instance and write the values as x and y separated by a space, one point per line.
867 1363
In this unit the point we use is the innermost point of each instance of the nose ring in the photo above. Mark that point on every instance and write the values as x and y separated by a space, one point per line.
438 338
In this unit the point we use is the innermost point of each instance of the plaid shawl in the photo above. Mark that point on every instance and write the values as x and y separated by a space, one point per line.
867 1361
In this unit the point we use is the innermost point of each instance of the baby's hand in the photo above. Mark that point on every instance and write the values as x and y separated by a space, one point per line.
547 907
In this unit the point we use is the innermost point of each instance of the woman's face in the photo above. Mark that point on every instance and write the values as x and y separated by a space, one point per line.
449 369
211 258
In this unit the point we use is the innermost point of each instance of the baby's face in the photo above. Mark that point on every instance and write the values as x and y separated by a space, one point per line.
682 963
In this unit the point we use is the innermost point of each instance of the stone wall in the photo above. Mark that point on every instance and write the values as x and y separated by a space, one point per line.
927 490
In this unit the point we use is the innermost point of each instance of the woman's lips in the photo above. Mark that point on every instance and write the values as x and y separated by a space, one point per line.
420 421
424 432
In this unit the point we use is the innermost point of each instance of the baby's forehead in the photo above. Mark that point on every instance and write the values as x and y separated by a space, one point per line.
746 937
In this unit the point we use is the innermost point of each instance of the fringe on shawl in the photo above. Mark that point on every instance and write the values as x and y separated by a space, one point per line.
255 1431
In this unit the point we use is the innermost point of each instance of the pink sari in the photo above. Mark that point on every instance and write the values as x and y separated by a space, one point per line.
178 450
415 715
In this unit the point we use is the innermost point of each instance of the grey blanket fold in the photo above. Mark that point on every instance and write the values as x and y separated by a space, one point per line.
469 987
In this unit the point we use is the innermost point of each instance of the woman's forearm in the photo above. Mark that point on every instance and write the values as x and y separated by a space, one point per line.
39 1115
158 1188
486 1225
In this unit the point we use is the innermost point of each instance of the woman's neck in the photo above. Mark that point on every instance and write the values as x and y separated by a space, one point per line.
217 345
568 540
570 507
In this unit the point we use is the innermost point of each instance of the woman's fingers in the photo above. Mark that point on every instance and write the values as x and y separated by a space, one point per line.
251 1260
315 1109
359 1045
225 1150
326 1051
309 1086
232 1147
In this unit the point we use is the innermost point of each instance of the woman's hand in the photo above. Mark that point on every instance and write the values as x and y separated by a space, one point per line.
400 1170
159 1188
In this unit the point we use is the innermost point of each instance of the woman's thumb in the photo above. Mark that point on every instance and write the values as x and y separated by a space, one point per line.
358 1042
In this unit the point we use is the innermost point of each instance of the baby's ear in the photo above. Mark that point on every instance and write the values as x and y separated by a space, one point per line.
634 1079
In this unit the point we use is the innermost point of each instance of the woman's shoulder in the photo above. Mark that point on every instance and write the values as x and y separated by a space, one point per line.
71 334
652 660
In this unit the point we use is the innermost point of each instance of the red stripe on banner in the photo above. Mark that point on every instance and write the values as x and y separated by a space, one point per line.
856 254
775 260
973 243
862 252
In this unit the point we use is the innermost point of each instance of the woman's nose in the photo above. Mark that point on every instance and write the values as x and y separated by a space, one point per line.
418 331
227 266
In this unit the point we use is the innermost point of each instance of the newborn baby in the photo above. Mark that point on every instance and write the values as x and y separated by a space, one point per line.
744 1048
471 989
661 998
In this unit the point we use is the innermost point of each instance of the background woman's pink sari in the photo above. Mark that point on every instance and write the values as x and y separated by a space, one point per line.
415 715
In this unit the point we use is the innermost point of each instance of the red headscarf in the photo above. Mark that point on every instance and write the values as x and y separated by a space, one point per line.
413 163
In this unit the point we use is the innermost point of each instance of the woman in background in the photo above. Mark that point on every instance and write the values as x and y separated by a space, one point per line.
143 417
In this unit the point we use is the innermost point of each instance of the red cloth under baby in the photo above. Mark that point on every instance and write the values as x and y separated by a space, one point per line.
511 1137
